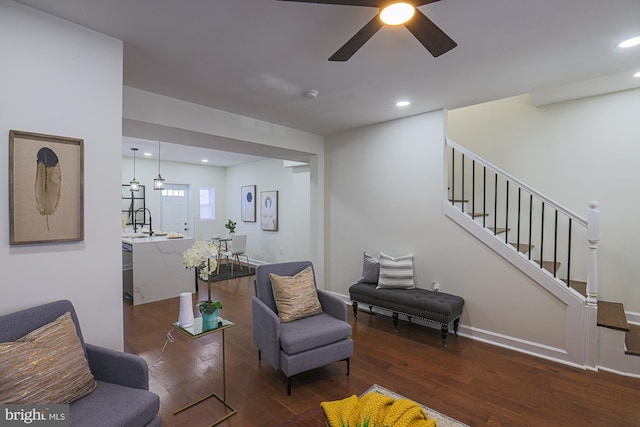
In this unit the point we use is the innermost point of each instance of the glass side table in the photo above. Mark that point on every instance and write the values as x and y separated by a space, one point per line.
198 330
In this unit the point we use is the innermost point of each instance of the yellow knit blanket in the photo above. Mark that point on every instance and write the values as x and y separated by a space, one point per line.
375 410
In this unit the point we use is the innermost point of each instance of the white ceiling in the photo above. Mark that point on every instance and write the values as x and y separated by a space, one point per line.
256 57
183 153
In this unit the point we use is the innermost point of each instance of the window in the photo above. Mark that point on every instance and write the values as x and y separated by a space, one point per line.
172 193
207 203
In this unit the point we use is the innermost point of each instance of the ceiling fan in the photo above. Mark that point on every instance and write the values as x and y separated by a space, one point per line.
427 33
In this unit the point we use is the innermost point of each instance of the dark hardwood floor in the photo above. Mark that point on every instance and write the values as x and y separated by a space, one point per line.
476 383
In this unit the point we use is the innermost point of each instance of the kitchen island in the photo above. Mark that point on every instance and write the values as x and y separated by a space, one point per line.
157 267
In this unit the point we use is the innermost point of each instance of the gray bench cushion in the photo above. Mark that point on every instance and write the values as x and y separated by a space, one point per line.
436 306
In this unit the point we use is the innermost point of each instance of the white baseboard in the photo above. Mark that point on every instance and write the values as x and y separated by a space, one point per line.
633 317
511 343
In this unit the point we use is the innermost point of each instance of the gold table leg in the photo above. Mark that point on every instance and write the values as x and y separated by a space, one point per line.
222 400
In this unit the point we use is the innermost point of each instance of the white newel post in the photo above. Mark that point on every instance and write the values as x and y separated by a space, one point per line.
593 237
591 308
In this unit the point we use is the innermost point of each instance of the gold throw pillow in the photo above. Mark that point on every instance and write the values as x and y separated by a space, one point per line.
45 366
296 296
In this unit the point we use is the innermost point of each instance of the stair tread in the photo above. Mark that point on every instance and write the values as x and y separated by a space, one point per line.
498 230
632 340
475 214
522 247
459 200
611 315
578 285
548 265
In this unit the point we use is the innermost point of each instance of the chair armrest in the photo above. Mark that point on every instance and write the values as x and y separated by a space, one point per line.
118 367
332 305
265 319
266 331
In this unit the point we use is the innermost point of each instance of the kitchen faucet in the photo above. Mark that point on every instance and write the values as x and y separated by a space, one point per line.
135 223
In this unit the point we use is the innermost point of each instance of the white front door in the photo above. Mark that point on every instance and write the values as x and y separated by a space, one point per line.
174 209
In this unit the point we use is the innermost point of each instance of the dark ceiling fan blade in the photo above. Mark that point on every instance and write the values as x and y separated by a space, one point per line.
369 3
417 3
360 38
429 34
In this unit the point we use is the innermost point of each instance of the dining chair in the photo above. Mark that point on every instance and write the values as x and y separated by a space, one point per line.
237 249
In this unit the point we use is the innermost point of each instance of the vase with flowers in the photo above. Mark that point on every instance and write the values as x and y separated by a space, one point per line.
203 257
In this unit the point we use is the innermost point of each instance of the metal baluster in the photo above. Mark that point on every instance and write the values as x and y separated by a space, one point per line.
453 176
569 256
555 244
542 236
484 196
495 206
473 189
462 185
530 223
518 226
506 215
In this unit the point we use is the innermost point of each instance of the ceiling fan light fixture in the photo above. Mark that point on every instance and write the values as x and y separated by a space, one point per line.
634 41
397 13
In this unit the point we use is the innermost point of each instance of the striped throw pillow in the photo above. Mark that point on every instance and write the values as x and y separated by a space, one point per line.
396 272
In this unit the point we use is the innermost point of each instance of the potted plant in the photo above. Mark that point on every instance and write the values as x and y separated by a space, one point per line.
231 226
203 256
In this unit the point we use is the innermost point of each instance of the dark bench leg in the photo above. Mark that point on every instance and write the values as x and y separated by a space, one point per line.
355 309
456 323
444 330
395 321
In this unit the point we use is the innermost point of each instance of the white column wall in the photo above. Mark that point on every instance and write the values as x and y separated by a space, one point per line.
61 79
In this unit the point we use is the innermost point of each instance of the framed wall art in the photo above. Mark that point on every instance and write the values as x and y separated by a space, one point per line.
46 188
248 203
269 210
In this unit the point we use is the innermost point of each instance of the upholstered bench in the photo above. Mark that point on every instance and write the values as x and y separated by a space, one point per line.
436 307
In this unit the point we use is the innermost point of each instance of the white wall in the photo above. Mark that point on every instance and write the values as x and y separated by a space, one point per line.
61 79
385 188
196 176
292 241
574 152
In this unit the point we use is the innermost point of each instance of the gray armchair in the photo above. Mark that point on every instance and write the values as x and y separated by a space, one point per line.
122 396
303 344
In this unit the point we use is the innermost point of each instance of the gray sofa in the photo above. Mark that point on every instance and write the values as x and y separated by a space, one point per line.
122 396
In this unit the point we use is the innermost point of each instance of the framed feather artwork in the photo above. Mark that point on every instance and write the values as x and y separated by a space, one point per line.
46 188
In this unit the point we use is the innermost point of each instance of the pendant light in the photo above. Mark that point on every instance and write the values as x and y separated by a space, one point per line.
133 184
158 183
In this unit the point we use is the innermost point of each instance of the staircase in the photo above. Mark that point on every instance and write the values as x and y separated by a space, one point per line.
546 241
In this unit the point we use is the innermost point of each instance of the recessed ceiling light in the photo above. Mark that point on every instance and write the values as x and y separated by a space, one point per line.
397 13
147 154
637 74
630 42
402 103
205 160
